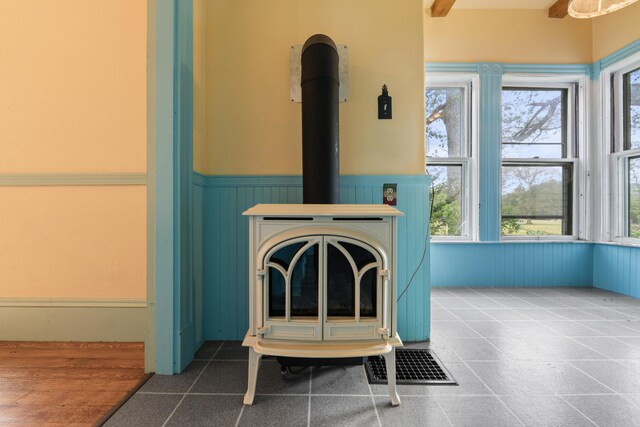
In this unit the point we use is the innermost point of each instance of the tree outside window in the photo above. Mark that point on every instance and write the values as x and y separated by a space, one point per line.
446 139
537 196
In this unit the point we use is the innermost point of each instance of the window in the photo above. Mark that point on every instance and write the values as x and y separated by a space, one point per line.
539 148
625 106
631 109
633 197
449 146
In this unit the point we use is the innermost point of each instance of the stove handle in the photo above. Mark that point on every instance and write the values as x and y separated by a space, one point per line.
386 279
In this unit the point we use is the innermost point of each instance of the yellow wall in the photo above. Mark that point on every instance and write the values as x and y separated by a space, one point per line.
73 242
73 86
252 127
199 84
500 35
73 101
615 30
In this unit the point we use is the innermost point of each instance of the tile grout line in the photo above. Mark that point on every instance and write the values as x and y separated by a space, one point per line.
405 395
192 384
485 384
435 399
582 311
550 328
309 401
239 416
563 360
373 399
596 380
579 411
572 339
480 335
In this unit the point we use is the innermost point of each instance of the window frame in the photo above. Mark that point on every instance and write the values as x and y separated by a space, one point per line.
469 164
575 148
616 158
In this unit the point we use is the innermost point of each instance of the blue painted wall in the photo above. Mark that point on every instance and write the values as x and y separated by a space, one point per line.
511 264
606 266
617 268
225 237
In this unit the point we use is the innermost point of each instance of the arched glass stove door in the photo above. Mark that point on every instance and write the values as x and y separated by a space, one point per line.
292 303
353 295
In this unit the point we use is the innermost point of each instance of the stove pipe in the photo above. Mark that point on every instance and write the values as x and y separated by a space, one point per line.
320 131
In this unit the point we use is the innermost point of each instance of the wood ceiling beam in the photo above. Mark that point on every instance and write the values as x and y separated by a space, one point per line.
559 9
440 8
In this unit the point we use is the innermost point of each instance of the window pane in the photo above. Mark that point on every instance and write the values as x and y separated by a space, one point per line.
446 122
537 200
534 123
446 217
631 99
634 197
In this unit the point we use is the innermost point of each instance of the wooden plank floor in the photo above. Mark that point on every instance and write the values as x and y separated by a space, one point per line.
64 383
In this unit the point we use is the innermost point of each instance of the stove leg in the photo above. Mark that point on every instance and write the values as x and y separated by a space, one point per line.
390 365
254 364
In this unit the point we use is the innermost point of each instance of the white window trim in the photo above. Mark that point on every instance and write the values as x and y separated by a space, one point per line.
612 210
470 170
581 172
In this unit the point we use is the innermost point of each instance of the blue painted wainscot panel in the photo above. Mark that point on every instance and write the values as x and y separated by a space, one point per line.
511 264
225 256
617 268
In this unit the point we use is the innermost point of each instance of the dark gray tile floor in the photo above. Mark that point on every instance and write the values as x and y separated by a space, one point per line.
522 356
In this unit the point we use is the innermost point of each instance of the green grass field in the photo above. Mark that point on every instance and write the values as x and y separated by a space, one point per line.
547 226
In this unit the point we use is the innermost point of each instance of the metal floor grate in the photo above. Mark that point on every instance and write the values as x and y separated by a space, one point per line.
413 366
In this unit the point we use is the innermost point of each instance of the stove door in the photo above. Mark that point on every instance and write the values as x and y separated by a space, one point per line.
292 303
353 294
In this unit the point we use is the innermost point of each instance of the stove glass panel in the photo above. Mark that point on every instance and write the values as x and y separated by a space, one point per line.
276 293
304 284
360 255
340 284
368 294
284 255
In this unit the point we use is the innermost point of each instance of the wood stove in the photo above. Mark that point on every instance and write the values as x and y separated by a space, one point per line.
322 284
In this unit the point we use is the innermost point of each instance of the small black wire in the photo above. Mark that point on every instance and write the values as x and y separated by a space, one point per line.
432 196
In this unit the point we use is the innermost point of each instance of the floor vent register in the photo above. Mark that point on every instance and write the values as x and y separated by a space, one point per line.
413 366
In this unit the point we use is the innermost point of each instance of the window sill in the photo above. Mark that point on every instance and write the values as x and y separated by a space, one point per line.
452 239
630 243
548 239
498 242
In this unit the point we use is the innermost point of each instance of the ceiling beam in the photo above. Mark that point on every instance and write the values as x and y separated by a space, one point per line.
440 8
559 9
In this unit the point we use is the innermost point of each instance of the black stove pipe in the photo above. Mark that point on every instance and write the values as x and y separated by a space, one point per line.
320 131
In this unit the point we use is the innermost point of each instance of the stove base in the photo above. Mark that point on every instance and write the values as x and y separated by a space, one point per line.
317 361
321 353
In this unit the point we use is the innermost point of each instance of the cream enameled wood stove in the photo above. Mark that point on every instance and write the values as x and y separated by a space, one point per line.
322 284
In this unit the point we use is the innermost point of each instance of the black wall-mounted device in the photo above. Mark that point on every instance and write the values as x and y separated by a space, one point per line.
384 104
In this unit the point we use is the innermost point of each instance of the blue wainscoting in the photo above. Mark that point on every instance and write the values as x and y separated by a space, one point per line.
511 264
617 268
224 241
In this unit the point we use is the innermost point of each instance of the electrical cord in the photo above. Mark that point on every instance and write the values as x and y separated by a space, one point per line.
426 238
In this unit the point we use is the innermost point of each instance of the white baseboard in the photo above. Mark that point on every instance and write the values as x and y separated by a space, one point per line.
63 322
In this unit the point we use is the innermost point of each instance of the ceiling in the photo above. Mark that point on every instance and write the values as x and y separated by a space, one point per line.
503 4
